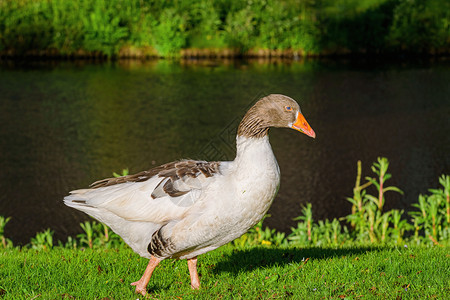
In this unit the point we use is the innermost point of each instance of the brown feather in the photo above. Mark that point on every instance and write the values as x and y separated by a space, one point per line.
267 112
169 173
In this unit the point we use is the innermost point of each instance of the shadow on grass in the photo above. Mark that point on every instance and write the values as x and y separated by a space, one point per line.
249 259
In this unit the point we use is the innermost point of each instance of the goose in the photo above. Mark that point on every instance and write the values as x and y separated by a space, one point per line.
185 208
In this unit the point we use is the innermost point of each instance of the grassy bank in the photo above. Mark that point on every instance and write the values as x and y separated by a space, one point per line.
250 273
137 28
375 254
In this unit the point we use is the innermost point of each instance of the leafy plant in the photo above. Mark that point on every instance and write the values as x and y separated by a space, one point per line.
329 233
303 233
380 168
125 172
399 226
357 218
103 29
71 243
86 238
444 195
43 240
98 235
240 29
368 220
4 242
422 25
259 236
169 33
434 213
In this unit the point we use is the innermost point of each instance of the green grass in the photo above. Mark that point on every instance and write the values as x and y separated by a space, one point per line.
231 273
322 260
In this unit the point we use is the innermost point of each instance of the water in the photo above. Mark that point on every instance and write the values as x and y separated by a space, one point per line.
65 125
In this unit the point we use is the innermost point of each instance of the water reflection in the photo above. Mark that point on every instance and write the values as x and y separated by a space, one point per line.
65 125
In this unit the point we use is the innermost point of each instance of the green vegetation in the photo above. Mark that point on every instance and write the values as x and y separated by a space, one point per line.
129 28
231 273
4 242
368 223
373 254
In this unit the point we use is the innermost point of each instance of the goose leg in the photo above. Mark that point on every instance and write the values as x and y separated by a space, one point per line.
192 265
141 284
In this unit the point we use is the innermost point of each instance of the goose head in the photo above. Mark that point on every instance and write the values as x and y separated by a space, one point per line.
274 111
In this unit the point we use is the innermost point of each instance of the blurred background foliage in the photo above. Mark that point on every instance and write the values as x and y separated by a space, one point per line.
114 28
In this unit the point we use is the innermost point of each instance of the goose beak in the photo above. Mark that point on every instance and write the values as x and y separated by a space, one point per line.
301 125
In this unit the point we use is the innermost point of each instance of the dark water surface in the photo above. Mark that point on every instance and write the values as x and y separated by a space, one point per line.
65 125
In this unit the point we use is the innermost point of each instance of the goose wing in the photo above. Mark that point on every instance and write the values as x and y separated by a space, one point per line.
158 195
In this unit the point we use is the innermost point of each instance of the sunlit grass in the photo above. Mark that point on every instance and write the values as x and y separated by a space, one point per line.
258 272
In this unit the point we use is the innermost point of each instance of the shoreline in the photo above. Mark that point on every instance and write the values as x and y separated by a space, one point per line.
147 53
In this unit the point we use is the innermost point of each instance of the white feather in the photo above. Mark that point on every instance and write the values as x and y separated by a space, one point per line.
216 209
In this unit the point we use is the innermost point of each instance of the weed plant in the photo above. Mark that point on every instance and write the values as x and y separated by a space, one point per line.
4 242
43 240
368 224
433 217
367 218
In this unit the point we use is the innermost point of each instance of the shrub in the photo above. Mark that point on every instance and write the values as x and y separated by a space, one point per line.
421 26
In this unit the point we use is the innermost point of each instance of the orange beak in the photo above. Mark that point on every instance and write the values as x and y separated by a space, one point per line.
303 126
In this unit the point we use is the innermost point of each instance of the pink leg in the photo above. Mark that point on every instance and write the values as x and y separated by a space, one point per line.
192 265
141 284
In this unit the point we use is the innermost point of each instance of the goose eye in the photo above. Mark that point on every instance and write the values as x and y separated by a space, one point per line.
288 108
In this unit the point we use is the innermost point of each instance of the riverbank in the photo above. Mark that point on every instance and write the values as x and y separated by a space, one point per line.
137 29
318 260
266 55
